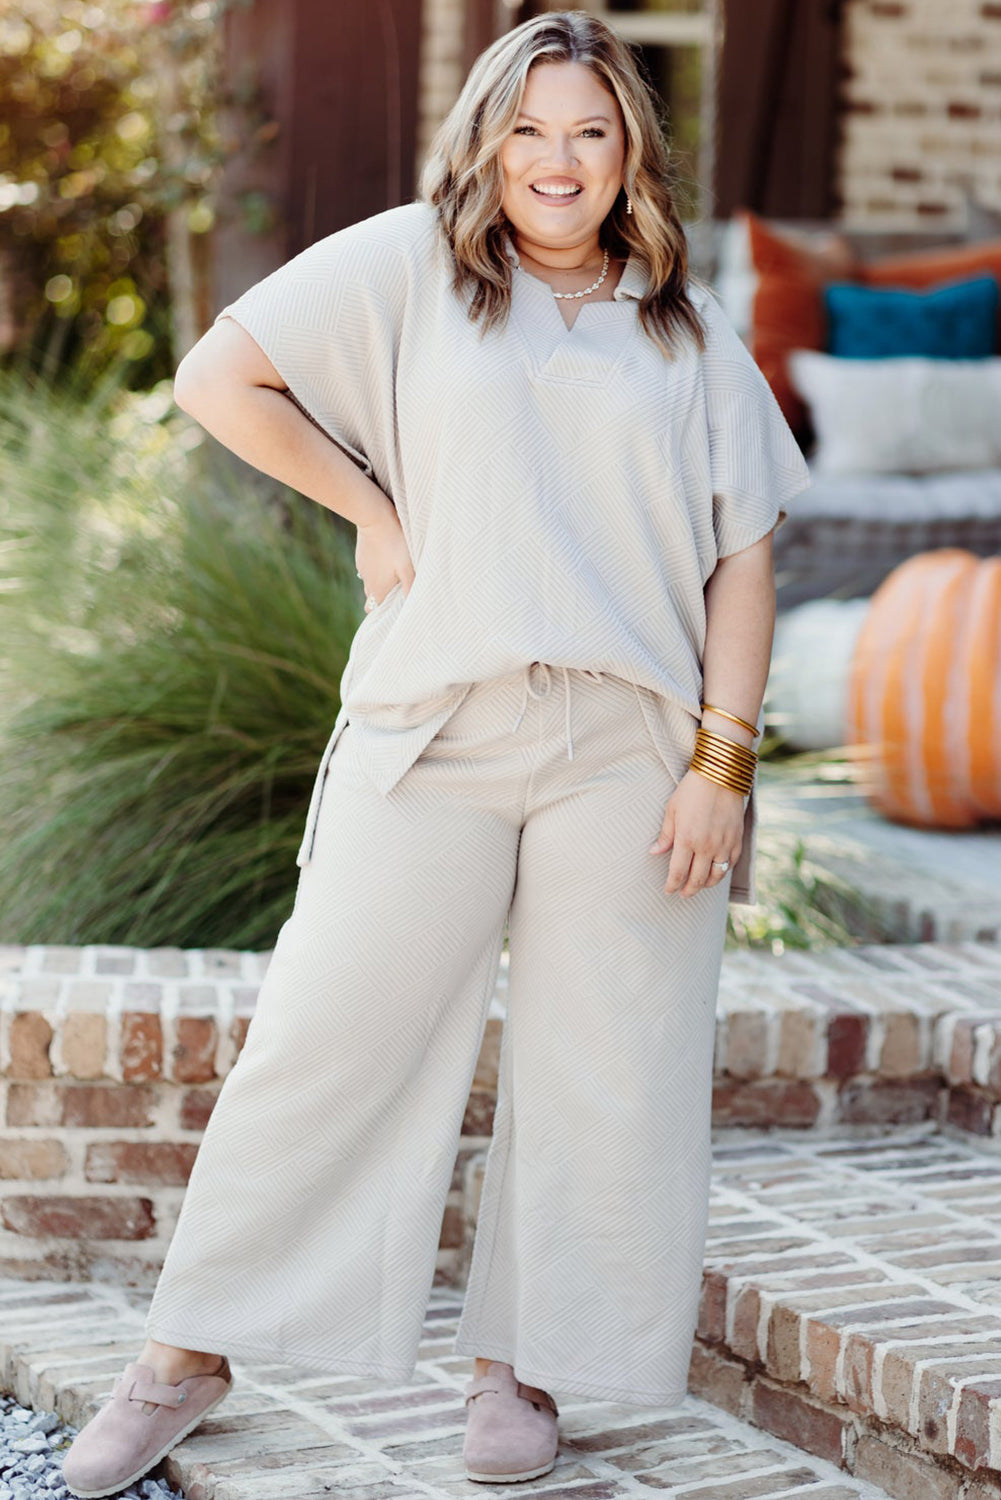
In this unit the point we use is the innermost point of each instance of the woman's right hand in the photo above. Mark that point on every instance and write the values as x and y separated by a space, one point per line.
382 557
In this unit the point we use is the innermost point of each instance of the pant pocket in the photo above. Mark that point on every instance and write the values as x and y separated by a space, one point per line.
671 729
313 811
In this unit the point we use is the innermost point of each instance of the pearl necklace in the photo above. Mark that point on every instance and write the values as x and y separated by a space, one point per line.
594 284
587 290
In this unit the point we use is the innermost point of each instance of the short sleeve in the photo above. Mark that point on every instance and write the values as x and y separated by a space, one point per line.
329 321
756 464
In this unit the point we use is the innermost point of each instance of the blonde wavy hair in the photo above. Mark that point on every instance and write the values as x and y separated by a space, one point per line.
464 181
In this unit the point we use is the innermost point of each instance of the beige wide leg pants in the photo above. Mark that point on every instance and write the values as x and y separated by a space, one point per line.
310 1224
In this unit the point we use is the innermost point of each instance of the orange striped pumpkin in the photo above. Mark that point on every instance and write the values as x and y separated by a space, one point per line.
924 692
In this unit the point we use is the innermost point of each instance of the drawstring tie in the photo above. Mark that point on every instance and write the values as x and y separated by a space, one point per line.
530 690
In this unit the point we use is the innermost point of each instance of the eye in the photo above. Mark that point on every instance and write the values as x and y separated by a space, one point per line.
588 130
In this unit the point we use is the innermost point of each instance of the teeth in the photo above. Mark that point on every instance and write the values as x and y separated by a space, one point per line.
556 192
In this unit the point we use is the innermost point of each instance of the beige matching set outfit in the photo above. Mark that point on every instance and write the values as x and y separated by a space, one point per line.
509 734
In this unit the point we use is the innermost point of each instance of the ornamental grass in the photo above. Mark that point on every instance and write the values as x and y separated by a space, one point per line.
174 636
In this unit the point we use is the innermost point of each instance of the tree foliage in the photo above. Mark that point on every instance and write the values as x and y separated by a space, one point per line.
109 122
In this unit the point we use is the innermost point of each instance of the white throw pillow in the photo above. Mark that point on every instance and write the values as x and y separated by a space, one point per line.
909 416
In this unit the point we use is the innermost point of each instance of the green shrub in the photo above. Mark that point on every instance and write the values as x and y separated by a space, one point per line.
173 647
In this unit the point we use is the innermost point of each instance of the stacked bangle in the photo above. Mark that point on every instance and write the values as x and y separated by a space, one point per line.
727 715
724 761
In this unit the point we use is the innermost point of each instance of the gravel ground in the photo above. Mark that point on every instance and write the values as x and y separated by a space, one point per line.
32 1444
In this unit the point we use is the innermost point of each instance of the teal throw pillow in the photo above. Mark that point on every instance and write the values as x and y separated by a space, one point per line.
954 320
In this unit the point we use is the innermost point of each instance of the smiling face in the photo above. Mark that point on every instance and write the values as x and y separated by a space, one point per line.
563 161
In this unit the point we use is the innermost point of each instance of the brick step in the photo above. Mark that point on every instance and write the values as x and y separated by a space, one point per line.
852 1303
875 1034
111 1060
909 884
288 1435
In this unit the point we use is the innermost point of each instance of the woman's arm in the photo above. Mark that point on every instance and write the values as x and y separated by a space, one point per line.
704 821
740 625
228 384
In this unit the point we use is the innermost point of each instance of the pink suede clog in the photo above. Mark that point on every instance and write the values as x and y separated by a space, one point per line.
139 1424
511 1431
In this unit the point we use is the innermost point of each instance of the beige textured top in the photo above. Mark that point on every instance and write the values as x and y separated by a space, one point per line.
564 493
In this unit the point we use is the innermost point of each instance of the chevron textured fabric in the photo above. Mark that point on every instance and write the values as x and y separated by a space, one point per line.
564 493
309 1227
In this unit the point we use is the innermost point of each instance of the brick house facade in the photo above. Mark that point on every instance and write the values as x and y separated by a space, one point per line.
881 114
920 111
917 100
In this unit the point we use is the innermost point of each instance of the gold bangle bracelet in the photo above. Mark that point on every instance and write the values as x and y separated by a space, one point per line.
743 787
721 742
743 779
726 715
725 767
723 761
728 752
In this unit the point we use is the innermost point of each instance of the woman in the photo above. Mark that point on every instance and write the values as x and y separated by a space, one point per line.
565 470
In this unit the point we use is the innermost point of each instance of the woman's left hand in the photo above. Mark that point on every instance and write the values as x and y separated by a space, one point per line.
702 822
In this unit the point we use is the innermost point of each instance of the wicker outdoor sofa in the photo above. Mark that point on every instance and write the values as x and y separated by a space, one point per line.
846 533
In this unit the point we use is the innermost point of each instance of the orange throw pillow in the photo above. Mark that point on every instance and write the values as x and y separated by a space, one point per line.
922 268
788 308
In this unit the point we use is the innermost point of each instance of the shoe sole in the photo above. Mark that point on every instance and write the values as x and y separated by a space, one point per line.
123 1484
510 1478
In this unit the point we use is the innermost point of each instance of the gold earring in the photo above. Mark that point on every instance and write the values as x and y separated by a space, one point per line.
629 204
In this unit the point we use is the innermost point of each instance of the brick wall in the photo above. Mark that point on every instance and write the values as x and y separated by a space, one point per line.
920 111
111 1060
